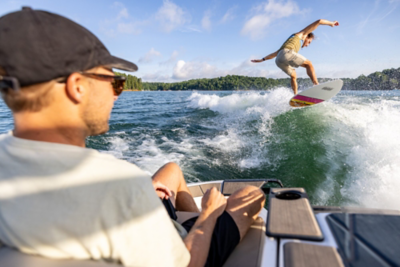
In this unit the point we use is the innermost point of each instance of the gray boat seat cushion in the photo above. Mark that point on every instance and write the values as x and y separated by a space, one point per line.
249 251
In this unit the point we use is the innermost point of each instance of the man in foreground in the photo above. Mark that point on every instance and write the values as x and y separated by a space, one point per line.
59 199
287 57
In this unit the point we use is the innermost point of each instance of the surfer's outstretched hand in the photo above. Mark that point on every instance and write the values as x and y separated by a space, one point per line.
257 60
335 23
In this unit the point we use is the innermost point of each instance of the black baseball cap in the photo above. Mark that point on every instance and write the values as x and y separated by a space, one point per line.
38 46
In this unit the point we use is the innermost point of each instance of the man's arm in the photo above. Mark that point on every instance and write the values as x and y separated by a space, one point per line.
313 26
270 56
199 238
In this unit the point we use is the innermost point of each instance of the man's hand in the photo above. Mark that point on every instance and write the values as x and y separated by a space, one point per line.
257 60
198 239
161 190
213 202
334 23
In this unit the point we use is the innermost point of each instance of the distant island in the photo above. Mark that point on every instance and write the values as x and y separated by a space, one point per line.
388 79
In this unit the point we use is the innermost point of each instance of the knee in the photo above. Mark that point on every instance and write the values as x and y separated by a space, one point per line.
250 199
307 64
171 166
257 195
169 170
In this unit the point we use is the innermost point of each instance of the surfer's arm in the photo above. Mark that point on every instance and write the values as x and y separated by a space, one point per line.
270 56
313 26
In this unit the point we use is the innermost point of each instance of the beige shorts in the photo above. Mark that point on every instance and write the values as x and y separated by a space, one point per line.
287 60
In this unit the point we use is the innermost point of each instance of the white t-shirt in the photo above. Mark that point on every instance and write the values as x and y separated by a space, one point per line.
63 201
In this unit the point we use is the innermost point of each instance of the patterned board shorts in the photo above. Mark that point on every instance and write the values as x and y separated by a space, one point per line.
287 60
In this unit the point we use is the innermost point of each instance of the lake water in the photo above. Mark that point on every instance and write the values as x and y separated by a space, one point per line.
343 152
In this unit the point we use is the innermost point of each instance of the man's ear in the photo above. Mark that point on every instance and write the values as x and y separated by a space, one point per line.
76 87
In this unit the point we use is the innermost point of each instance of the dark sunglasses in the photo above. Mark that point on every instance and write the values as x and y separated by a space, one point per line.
117 82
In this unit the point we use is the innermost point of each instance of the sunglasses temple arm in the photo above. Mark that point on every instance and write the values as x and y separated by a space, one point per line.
9 82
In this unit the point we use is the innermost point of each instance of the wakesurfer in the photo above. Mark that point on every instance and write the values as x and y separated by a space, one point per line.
288 57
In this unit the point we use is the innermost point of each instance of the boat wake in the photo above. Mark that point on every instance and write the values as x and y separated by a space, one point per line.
343 152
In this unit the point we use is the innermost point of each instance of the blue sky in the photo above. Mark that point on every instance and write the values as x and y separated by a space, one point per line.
173 40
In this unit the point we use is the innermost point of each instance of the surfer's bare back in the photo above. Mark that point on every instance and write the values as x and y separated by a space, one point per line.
287 57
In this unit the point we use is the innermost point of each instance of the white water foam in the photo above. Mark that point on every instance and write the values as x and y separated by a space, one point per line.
236 110
362 135
117 148
149 155
367 136
270 101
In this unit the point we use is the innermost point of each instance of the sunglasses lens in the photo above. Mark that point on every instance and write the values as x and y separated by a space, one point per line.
118 86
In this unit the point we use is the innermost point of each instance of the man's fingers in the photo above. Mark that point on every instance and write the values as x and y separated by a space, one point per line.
167 191
160 187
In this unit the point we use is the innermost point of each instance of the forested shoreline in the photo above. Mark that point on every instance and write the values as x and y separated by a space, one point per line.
388 79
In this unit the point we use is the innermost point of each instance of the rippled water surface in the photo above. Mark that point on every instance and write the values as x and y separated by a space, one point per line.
343 152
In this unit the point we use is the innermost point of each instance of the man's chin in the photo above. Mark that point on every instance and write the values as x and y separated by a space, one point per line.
99 130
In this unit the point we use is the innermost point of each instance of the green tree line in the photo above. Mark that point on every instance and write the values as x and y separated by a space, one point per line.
229 82
388 79
132 82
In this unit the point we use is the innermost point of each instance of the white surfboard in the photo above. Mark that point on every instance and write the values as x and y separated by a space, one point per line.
317 94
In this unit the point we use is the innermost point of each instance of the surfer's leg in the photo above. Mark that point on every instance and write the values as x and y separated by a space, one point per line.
310 71
284 60
293 81
244 205
171 176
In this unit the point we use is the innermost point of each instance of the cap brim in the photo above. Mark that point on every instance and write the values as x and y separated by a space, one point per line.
121 64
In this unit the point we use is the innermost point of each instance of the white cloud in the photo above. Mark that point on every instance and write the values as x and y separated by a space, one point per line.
172 59
150 56
129 28
156 77
267 12
171 16
206 21
192 70
122 23
123 13
195 70
229 15
187 70
190 28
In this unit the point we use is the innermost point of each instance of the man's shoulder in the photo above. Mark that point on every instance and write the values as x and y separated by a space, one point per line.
61 158
299 35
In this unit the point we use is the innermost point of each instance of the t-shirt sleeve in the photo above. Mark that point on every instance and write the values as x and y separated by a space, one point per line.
145 235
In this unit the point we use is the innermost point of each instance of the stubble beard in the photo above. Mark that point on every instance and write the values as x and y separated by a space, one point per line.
96 123
97 127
